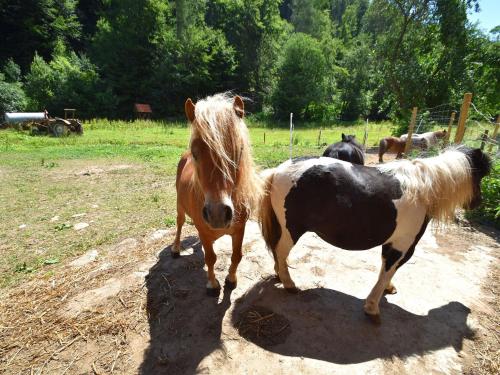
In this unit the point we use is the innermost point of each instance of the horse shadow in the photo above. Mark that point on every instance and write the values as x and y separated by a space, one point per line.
330 326
185 325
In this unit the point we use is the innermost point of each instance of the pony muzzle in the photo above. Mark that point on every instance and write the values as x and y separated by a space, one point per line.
218 215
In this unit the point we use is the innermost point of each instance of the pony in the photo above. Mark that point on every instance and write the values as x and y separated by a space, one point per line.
354 207
425 140
348 150
217 184
397 145
391 144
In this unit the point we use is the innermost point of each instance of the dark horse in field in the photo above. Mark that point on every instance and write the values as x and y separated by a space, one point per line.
356 207
347 149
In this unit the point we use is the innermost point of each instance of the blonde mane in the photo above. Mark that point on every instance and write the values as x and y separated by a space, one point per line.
442 183
226 134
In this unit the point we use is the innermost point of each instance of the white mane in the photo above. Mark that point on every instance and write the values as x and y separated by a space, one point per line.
442 183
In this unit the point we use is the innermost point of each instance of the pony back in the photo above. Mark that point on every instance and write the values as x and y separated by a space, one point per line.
347 150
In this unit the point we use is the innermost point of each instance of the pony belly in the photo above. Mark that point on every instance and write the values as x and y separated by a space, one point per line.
355 243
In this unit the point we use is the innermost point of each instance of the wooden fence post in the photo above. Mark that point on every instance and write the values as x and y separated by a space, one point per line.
450 124
464 111
319 137
495 132
264 137
484 138
410 129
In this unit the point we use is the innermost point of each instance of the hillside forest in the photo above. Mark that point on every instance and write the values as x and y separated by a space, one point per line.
323 60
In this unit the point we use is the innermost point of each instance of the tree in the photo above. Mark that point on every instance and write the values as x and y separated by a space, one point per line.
302 77
256 32
28 26
129 36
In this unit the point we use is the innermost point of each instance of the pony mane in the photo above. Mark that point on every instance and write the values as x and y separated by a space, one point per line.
226 134
442 183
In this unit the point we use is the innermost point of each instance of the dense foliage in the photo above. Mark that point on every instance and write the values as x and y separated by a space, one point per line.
321 59
489 211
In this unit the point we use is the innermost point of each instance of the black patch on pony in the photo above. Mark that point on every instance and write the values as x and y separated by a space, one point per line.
351 207
348 150
391 255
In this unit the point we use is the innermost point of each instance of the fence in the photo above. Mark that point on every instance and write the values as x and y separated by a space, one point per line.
465 125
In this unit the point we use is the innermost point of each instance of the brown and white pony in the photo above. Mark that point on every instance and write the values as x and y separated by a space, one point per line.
397 145
217 184
355 207
425 140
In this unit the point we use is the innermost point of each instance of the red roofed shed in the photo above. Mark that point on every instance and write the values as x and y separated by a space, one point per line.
142 110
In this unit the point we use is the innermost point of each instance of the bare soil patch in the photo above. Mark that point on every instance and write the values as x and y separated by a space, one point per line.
138 310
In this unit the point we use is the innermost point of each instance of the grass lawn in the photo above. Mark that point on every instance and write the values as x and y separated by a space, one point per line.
118 177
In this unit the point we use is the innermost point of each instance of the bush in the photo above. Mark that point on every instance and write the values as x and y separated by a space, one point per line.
68 81
12 96
489 211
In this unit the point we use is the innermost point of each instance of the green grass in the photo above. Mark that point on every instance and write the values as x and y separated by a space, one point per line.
130 189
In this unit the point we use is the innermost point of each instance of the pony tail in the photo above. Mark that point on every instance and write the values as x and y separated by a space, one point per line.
269 225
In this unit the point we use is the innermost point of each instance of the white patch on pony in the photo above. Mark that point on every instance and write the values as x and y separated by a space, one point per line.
409 219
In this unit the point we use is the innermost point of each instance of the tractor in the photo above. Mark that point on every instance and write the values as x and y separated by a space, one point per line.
42 123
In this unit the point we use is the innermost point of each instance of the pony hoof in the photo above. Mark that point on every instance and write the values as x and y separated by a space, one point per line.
213 292
175 255
229 284
293 290
391 290
374 318
276 279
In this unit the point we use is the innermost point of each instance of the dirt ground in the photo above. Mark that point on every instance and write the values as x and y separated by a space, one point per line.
130 308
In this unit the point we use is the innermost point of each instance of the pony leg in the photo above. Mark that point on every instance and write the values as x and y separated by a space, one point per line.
176 247
390 258
282 250
213 286
382 148
237 241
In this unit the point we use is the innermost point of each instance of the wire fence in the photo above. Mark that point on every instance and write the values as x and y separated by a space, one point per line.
481 129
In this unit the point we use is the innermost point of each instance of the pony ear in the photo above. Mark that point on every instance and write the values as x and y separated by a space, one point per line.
238 106
189 109
343 136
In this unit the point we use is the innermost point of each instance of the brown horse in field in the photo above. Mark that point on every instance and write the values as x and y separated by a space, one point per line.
397 145
217 184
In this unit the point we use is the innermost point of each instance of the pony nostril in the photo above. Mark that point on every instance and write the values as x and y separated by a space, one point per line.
228 213
204 213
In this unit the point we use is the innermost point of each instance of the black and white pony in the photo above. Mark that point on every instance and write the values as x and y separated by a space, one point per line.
348 150
356 207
